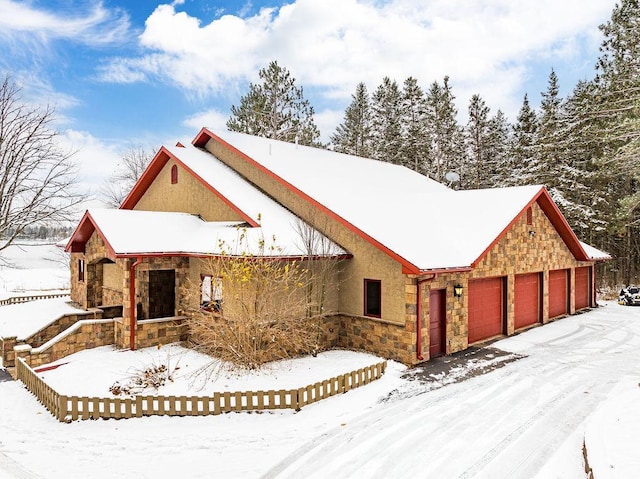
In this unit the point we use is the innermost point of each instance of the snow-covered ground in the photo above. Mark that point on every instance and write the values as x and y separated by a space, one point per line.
36 268
578 382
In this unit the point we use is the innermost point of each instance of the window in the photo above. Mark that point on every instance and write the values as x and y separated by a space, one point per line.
211 294
80 270
174 174
372 298
529 216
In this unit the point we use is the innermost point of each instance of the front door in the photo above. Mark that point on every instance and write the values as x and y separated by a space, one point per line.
437 322
162 293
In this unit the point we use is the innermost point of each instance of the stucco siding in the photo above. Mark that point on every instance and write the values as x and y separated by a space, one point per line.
188 195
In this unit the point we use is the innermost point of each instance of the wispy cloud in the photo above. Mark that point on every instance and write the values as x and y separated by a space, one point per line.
92 24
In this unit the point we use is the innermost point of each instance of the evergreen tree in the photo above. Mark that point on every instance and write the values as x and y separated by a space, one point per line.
415 147
498 150
386 122
353 135
446 141
475 173
524 144
275 108
547 169
613 114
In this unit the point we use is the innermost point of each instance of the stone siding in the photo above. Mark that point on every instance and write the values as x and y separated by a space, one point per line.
87 334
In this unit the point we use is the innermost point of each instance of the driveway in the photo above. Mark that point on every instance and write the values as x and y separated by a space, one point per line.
525 419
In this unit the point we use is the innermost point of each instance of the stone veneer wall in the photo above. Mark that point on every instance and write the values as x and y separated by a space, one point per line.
181 267
89 334
517 252
155 332
42 336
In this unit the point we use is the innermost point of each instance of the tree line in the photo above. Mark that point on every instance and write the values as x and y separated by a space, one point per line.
584 147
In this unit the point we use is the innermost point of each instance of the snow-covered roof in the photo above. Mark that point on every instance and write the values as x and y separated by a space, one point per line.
594 253
134 232
420 220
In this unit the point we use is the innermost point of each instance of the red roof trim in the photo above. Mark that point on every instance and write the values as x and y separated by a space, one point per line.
83 232
205 135
548 206
151 173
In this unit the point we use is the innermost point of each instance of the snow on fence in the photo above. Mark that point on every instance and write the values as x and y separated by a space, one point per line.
26 299
71 408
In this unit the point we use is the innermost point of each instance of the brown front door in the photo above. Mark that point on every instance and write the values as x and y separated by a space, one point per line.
527 300
162 293
437 322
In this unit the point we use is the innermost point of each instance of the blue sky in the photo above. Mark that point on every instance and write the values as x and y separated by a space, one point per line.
140 72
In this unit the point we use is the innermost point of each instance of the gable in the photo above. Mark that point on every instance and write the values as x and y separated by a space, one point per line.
157 177
527 247
186 194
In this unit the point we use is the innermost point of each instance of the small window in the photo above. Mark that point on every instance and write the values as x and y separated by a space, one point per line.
80 270
529 216
372 298
174 174
211 294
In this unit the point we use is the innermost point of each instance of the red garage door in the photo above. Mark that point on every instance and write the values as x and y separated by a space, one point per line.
437 321
527 300
486 306
583 287
558 296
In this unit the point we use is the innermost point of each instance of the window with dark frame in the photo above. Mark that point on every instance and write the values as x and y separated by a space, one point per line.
373 297
211 293
174 174
80 270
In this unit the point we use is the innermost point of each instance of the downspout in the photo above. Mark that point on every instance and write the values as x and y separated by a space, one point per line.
418 318
132 303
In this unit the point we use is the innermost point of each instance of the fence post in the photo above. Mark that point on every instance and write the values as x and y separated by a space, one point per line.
62 408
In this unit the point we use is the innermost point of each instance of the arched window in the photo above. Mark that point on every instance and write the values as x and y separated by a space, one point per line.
174 174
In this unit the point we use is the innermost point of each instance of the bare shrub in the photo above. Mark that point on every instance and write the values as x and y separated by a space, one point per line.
265 313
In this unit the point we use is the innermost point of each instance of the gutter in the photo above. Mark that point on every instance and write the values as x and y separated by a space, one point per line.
132 303
419 317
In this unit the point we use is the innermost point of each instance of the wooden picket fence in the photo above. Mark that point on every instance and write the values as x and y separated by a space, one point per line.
26 299
71 408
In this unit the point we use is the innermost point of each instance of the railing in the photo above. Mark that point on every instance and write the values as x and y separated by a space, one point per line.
26 299
71 408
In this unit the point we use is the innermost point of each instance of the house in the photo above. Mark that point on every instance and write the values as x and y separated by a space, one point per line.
425 270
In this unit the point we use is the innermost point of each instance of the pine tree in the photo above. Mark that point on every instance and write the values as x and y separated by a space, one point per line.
614 115
446 141
353 135
386 122
275 108
476 170
547 169
415 147
498 150
524 143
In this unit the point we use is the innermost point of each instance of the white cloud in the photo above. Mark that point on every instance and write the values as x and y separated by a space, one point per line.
95 158
330 46
93 25
213 119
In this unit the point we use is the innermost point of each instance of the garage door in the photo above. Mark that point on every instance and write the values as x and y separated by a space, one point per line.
558 288
583 287
486 306
527 300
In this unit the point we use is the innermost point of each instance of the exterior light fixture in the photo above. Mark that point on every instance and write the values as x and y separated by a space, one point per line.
457 290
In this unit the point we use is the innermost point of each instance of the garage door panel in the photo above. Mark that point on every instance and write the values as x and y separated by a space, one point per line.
558 293
527 300
485 309
583 287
